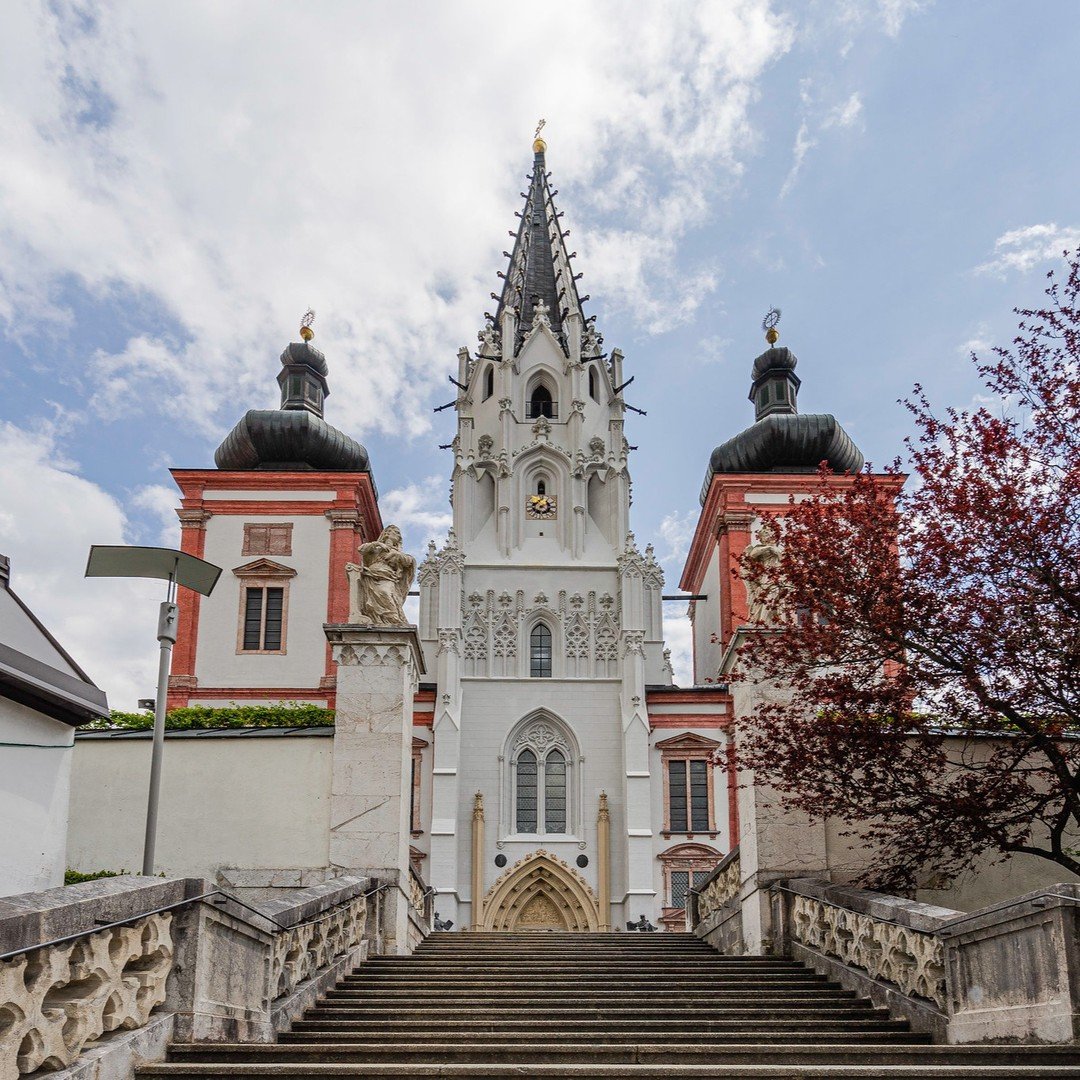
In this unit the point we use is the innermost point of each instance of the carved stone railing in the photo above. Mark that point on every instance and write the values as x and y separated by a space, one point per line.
55 1000
720 888
912 960
301 951
128 963
417 894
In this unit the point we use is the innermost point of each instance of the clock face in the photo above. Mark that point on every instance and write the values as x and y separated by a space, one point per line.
540 506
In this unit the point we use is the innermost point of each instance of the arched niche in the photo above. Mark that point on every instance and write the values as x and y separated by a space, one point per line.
540 893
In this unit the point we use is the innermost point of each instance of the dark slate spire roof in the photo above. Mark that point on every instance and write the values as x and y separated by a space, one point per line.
540 266
782 441
294 437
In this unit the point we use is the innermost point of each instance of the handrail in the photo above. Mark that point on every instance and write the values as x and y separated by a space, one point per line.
184 903
1006 905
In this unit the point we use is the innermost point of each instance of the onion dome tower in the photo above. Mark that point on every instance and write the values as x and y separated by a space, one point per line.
295 436
781 440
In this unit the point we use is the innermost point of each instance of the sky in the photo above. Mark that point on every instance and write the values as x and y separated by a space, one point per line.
179 182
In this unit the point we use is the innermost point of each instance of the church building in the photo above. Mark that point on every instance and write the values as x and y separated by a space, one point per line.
560 779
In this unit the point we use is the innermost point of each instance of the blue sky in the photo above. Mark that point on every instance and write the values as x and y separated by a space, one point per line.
179 185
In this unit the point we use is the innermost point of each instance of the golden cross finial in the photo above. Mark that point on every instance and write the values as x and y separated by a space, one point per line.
305 324
539 146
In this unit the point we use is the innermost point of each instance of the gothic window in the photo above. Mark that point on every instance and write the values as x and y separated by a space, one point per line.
541 487
526 792
540 652
263 623
489 382
555 793
541 767
541 403
592 384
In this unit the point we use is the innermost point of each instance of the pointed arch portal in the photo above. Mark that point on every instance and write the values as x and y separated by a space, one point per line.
540 893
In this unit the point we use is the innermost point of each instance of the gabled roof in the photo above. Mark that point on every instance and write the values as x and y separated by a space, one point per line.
35 669
539 268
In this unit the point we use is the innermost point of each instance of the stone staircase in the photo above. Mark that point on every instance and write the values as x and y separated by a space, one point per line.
598 1005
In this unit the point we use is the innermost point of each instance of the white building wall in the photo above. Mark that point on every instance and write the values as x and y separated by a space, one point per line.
218 662
35 778
247 801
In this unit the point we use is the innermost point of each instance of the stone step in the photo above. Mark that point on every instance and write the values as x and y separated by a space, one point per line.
752 1035
431 1013
645 1053
539 989
425 1071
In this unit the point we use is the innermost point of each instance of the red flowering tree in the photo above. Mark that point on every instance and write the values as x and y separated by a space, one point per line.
931 639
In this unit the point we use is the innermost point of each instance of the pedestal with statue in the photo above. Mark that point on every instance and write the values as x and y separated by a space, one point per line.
379 664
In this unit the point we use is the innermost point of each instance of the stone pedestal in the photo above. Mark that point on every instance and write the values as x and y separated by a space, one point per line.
371 790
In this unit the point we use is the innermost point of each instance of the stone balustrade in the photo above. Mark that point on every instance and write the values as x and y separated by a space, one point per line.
912 960
55 1000
123 965
1006 972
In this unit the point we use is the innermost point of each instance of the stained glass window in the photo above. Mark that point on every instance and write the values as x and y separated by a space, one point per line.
540 652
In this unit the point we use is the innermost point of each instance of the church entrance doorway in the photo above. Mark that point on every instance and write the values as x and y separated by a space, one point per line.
541 893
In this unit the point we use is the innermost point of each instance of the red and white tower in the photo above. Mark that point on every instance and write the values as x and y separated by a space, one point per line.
283 512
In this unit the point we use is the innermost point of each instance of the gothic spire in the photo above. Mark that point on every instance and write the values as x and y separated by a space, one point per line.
540 277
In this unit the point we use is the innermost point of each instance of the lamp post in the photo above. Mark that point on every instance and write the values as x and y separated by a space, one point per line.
177 568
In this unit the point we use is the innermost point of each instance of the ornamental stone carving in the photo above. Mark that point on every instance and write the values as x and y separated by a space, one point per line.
720 891
912 960
298 953
380 582
53 1001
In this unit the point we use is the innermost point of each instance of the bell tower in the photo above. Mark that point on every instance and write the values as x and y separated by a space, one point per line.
540 615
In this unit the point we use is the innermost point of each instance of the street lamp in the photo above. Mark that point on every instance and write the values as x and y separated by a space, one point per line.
177 568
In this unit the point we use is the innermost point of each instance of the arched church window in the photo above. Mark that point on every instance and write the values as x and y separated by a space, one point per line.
541 404
542 795
489 382
541 487
540 652
526 792
555 792
592 384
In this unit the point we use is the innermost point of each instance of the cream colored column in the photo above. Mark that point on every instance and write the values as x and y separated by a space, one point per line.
478 862
378 668
603 869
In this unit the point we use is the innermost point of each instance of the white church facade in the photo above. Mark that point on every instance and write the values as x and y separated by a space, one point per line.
540 617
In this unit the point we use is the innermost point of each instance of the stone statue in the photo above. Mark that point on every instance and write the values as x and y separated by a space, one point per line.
762 595
379 584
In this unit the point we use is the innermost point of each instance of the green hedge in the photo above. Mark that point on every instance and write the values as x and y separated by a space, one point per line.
73 877
290 714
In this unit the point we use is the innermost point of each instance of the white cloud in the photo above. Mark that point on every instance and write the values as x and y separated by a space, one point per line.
196 162
1023 249
676 532
846 114
894 12
48 519
678 638
421 511
804 143
160 504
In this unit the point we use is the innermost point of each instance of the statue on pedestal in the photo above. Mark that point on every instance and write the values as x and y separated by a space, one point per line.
379 583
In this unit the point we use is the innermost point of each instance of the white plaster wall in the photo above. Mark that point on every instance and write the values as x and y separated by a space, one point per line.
707 622
304 662
35 780
247 802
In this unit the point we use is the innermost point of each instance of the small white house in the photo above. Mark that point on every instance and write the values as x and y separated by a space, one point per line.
44 696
